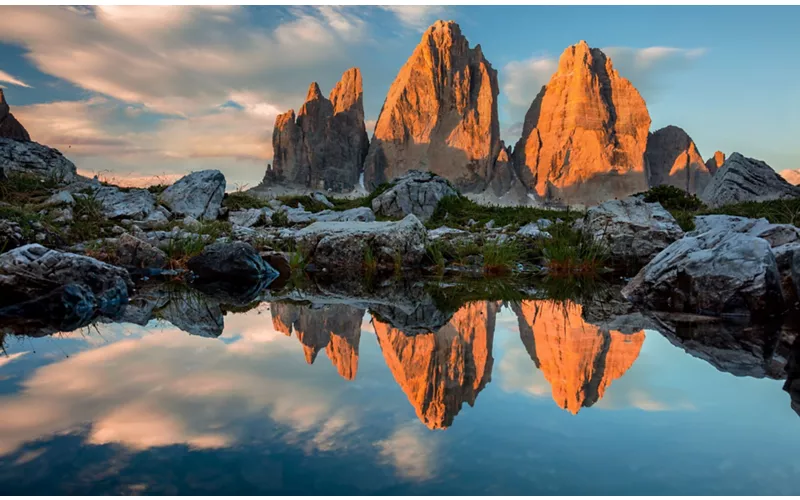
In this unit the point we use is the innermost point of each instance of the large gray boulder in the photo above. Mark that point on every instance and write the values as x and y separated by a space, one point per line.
132 252
342 246
744 179
32 158
136 204
633 230
198 195
32 270
415 193
714 273
235 261
783 239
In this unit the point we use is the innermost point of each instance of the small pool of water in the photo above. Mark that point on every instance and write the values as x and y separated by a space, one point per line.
330 398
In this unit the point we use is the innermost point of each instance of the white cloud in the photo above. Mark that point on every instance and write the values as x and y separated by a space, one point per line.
417 17
181 60
410 451
522 80
5 77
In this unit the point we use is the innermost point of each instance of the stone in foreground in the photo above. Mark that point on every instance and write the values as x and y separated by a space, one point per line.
236 261
33 158
415 193
713 273
342 246
744 179
198 195
633 230
32 270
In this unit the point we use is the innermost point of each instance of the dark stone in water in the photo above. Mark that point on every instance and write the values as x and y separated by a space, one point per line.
231 262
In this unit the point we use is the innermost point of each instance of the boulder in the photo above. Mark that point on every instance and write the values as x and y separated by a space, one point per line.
713 273
584 137
744 179
10 128
415 193
342 246
33 158
317 196
783 239
236 261
673 160
136 204
62 309
633 230
10 235
61 198
133 252
440 114
198 195
32 270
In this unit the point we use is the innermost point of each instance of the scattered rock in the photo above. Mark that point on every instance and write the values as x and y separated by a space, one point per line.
440 114
10 235
60 198
236 261
300 216
633 230
744 179
532 230
198 195
133 252
322 199
341 247
415 193
246 218
443 231
584 136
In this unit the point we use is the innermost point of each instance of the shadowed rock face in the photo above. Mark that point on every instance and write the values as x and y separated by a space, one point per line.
584 136
440 114
715 162
325 146
578 359
673 159
440 371
10 128
333 327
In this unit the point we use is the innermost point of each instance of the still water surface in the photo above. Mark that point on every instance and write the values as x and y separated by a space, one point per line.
329 399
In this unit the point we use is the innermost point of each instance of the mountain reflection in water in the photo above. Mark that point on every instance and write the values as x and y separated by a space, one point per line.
137 389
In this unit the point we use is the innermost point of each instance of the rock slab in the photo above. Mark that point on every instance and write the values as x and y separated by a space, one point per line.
198 195
744 179
415 193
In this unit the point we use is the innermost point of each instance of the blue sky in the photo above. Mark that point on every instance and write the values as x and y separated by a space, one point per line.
136 92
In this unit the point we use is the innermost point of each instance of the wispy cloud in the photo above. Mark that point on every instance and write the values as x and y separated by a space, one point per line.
5 77
416 17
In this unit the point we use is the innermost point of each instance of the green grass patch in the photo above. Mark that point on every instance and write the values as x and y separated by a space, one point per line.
571 252
775 211
240 200
88 221
457 211
500 258
24 189
180 250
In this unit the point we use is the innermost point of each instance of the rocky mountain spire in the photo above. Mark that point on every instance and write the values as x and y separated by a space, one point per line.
440 114
10 128
673 159
584 136
324 146
715 162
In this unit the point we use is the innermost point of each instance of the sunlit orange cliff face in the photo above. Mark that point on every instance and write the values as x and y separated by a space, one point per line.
440 371
578 359
335 328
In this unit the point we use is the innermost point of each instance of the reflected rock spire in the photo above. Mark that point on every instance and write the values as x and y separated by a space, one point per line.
333 327
440 371
578 359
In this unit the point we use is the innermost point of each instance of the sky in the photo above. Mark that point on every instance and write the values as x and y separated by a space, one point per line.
131 93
